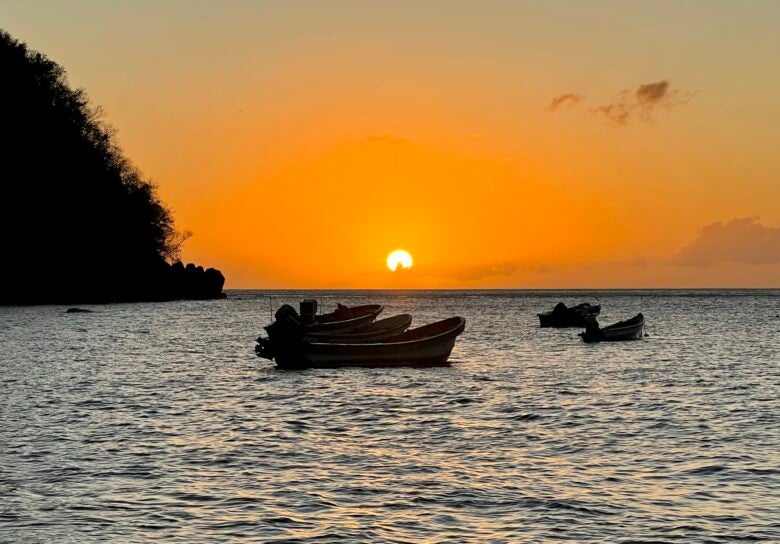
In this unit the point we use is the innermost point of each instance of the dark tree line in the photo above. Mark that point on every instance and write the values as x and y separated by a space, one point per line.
78 222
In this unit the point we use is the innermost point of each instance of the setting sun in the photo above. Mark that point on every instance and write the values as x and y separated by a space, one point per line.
399 257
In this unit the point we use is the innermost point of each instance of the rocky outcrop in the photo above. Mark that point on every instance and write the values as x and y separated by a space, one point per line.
73 285
192 282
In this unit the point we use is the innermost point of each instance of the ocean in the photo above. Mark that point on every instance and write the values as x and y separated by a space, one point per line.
157 423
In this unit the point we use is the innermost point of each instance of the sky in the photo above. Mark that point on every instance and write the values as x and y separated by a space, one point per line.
522 144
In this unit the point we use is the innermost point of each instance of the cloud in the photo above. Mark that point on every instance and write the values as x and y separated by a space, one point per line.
652 92
567 100
386 139
742 240
482 271
478 272
642 102
465 272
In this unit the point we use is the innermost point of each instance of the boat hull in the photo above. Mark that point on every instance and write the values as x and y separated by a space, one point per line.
363 315
632 329
372 332
426 346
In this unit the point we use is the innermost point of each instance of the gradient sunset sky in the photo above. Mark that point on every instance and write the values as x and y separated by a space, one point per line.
503 144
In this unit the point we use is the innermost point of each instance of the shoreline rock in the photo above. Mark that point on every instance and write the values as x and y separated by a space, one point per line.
72 286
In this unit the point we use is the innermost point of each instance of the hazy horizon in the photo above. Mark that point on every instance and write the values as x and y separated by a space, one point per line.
497 289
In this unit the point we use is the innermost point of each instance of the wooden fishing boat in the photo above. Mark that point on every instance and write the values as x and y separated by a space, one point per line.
289 327
429 345
630 329
564 316
378 330
345 318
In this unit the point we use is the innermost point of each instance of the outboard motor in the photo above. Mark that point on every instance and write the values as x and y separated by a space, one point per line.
287 326
284 332
592 329
308 311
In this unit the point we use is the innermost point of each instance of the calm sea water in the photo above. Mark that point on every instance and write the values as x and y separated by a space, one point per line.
156 422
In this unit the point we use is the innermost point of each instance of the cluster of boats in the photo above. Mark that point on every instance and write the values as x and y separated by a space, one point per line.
586 316
352 336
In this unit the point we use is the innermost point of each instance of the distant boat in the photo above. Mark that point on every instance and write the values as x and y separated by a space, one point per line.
564 316
630 329
371 332
429 345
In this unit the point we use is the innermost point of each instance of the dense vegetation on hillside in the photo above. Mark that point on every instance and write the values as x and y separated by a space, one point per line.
78 222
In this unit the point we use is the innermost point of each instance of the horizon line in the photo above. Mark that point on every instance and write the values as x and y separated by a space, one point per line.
344 289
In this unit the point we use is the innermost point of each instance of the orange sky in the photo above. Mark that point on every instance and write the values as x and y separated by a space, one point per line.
303 143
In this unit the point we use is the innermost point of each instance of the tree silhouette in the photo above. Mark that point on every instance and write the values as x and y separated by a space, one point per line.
78 222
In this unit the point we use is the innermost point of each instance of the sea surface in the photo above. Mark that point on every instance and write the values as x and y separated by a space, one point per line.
157 423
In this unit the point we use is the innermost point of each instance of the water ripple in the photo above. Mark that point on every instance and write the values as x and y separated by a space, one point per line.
156 422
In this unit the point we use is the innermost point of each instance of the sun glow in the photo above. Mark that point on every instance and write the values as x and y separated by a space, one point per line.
399 257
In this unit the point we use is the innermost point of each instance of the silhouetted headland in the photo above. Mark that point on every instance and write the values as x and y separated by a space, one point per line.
79 223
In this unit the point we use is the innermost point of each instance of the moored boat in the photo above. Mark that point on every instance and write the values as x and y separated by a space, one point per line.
378 330
630 329
565 316
429 345
290 327
344 318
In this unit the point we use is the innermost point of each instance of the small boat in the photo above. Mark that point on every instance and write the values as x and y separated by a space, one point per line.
429 345
345 318
378 330
290 327
630 329
564 316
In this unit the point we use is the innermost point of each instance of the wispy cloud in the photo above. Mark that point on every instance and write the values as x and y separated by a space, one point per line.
386 139
485 270
566 101
478 272
743 240
629 104
642 102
